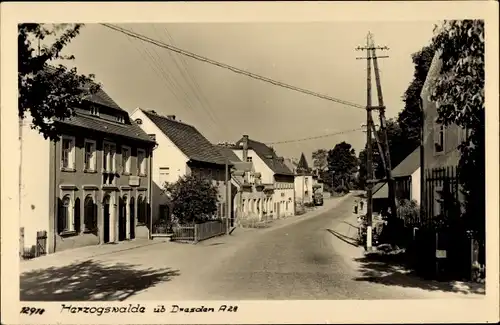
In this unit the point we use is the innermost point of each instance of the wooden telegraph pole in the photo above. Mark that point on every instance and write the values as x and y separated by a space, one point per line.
383 127
370 127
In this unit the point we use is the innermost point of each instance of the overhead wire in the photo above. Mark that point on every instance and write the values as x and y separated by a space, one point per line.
315 137
229 67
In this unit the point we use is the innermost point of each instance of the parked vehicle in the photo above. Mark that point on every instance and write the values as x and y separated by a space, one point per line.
318 198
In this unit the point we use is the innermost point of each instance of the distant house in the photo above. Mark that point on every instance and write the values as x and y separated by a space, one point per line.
439 150
182 150
303 180
249 198
275 176
406 180
90 187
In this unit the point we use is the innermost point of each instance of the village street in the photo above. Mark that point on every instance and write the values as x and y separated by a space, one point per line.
297 258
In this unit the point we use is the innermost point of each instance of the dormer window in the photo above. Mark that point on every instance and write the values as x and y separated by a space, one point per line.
120 119
94 110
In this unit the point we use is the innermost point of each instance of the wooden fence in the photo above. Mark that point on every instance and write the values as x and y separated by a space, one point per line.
198 232
37 250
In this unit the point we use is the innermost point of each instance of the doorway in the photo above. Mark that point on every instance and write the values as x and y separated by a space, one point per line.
122 219
132 217
106 218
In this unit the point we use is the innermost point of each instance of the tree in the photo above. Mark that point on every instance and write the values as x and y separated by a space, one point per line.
46 91
342 163
320 159
194 199
410 118
459 97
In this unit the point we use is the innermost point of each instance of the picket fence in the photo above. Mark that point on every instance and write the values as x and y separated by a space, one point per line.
197 232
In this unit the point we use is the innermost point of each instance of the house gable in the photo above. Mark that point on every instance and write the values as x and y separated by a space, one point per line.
166 155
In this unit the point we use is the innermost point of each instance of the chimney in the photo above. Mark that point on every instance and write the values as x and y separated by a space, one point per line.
171 117
245 148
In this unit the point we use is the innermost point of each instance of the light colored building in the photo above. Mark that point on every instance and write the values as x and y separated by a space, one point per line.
181 150
275 176
439 151
90 187
251 200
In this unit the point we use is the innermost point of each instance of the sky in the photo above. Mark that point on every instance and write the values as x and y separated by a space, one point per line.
223 105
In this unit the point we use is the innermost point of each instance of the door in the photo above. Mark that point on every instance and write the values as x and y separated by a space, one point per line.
122 219
132 217
106 219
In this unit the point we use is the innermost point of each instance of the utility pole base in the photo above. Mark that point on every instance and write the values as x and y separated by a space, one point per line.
369 238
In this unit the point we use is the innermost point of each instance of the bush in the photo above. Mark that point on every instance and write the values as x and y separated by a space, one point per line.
341 189
309 205
409 212
194 199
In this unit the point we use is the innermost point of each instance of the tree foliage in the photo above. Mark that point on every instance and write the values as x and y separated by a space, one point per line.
48 91
410 118
320 159
342 163
194 199
459 97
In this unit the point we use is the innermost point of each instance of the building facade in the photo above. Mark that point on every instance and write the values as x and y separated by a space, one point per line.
181 150
277 180
439 150
90 187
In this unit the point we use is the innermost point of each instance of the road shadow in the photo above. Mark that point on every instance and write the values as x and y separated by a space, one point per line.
344 238
90 281
393 270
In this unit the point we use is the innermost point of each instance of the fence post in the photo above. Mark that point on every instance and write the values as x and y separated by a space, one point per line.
195 232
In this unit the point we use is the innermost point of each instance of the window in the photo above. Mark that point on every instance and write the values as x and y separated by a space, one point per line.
90 215
120 119
249 159
164 175
90 156
438 138
94 110
109 157
68 153
126 159
65 215
141 162
463 134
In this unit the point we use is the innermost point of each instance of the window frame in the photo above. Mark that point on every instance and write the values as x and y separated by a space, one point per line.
439 130
70 215
94 111
140 172
93 167
249 159
112 160
71 156
126 166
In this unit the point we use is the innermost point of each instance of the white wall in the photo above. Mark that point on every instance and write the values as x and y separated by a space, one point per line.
415 185
284 192
166 154
267 175
35 184
301 187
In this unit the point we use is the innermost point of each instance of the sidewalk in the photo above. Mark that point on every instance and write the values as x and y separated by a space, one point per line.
369 268
169 248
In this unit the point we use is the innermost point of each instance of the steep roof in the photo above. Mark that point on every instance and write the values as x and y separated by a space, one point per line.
188 139
100 97
409 165
303 165
128 130
380 191
267 155
228 153
289 163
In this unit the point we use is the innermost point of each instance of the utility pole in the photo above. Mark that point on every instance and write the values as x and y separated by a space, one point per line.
228 194
383 127
370 127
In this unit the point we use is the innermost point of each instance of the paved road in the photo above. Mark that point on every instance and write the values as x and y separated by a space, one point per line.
294 261
297 258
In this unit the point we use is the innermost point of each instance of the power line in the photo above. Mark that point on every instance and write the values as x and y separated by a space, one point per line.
316 137
226 66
